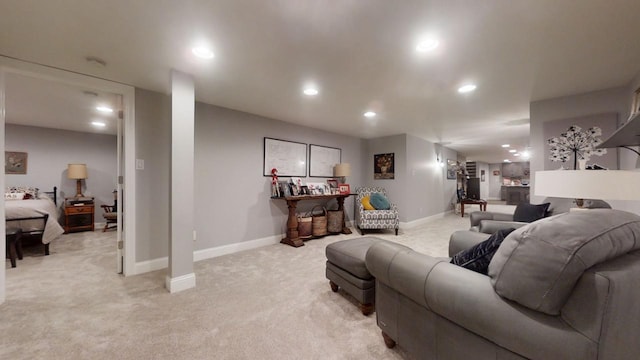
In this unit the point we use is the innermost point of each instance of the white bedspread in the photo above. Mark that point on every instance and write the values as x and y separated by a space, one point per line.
35 207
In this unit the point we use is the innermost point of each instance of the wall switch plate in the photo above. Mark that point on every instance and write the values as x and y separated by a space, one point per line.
194 235
139 164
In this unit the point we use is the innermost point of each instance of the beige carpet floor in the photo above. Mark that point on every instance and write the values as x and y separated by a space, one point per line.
268 303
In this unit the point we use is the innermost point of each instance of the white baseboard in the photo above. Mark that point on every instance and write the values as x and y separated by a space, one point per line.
234 248
414 223
180 283
163 262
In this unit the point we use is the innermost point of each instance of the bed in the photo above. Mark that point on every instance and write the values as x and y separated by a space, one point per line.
35 213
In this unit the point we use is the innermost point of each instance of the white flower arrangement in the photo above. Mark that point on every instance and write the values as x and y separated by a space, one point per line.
577 143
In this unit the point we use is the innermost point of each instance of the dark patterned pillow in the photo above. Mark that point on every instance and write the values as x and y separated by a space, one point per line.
529 212
478 257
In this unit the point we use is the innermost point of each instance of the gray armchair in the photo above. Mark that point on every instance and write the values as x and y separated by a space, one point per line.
375 219
489 222
585 310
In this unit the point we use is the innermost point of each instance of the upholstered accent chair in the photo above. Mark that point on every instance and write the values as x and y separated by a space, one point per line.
375 219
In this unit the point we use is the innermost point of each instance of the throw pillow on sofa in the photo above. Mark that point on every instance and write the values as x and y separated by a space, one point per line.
379 201
529 212
366 204
478 257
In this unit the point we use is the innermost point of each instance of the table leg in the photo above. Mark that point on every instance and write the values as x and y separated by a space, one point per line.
345 229
292 226
461 209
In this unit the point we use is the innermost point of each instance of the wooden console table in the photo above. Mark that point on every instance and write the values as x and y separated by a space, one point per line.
292 237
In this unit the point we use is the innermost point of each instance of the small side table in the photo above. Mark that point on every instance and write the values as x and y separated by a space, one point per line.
78 214
14 243
463 202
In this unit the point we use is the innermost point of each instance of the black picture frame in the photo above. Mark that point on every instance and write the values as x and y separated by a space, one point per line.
288 157
451 169
384 166
322 159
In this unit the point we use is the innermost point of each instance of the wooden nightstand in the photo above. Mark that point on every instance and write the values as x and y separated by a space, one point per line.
78 214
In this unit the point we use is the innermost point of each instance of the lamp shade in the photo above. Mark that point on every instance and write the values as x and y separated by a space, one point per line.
588 184
342 170
77 171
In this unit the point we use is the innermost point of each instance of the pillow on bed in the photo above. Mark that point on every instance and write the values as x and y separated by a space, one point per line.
32 191
14 195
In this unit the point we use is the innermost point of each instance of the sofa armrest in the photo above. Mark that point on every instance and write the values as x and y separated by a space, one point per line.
464 239
477 216
467 299
491 226
400 268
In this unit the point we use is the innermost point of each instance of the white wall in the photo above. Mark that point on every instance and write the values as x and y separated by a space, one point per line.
233 202
49 152
420 188
597 102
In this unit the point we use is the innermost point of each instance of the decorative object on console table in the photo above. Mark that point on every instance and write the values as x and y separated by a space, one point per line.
78 214
588 184
383 166
77 172
15 162
344 189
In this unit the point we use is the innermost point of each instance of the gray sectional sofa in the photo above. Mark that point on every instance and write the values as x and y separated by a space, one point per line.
564 287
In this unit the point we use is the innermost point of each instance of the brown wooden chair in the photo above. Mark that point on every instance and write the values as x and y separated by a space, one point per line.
110 216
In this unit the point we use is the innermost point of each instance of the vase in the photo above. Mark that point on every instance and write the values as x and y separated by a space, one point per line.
383 169
582 164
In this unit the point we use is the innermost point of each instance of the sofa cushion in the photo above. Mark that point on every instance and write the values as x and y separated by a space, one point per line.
379 201
366 204
530 212
478 257
539 264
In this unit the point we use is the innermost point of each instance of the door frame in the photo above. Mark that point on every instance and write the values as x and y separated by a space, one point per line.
128 231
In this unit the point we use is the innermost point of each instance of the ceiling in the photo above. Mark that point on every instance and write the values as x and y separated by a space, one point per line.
359 54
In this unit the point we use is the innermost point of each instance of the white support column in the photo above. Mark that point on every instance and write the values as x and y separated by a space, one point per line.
181 275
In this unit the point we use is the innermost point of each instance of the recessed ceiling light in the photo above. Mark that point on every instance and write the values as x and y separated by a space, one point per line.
369 114
512 150
506 160
202 52
505 145
104 109
516 154
310 91
98 124
526 154
466 88
427 45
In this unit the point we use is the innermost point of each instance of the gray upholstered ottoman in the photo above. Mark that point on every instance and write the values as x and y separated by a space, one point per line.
346 269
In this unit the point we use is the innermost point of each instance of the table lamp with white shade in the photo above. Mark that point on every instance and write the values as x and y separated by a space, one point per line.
342 170
77 172
588 184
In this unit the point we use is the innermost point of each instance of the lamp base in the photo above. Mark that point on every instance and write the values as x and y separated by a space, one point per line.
79 193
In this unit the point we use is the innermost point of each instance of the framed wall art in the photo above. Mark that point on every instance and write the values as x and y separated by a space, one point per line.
288 157
15 162
451 169
383 166
322 159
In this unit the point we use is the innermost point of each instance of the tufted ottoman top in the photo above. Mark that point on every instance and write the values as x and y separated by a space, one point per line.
349 255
